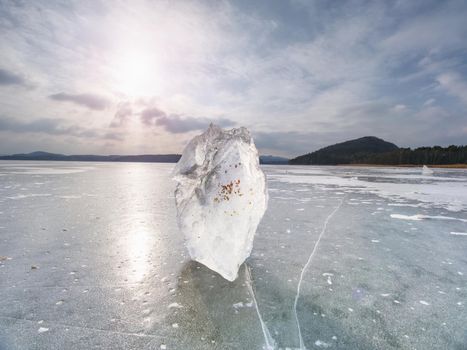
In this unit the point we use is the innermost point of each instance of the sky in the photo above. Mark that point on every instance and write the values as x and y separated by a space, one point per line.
138 77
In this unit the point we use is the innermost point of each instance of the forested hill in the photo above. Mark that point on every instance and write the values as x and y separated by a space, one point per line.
423 155
371 150
348 152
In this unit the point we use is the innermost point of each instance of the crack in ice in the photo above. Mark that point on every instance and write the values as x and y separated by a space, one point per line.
95 329
269 342
302 345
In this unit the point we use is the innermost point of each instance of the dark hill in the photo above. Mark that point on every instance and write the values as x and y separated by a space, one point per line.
348 152
272 160
149 158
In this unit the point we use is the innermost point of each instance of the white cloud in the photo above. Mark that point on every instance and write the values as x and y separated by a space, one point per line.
400 107
454 84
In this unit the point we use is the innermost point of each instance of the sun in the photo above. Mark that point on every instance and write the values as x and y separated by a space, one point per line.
136 74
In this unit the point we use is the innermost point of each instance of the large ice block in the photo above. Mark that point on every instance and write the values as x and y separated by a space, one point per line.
221 196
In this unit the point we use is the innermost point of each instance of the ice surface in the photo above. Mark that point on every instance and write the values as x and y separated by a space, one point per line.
133 278
447 188
221 197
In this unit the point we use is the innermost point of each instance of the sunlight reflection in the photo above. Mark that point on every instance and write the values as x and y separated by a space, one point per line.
137 232
138 246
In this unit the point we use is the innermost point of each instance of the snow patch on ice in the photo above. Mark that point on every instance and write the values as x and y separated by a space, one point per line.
459 233
241 304
322 344
328 275
404 205
419 217
449 193
175 306
31 170
23 196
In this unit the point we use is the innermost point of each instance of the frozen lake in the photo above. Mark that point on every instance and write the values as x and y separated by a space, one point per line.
91 258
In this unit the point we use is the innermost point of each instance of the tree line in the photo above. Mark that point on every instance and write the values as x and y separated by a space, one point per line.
419 156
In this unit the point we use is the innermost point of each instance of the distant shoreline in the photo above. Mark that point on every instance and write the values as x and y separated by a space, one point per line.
84 161
146 158
454 166
441 166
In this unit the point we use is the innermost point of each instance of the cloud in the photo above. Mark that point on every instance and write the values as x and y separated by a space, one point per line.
149 115
90 101
177 124
429 102
52 126
152 116
122 115
293 143
111 135
454 85
10 78
174 123
43 125
441 26
400 107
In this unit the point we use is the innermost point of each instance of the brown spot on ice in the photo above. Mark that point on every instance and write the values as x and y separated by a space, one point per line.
229 189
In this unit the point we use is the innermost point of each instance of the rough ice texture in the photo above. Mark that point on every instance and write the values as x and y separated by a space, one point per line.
221 197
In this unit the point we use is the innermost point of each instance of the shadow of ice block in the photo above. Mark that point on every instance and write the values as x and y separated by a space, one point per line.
213 312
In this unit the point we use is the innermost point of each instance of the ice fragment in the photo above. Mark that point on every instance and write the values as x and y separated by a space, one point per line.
426 171
221 197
